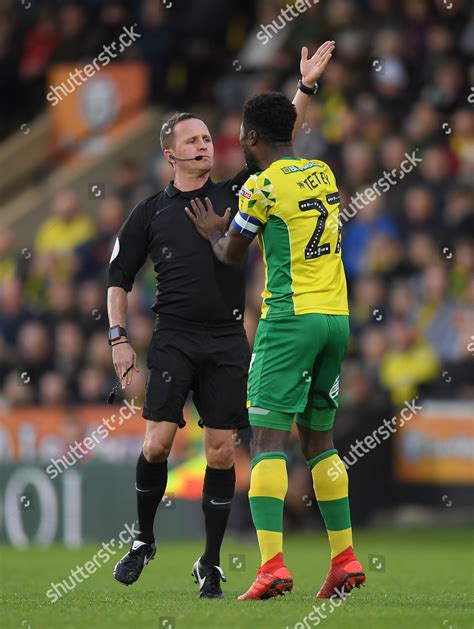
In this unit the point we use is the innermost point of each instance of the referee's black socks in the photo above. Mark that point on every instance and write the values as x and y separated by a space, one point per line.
151 479
217 497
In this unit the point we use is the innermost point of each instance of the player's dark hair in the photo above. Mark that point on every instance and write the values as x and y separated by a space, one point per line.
271 115
167 130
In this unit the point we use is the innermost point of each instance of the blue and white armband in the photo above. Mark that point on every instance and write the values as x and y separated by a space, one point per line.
246 225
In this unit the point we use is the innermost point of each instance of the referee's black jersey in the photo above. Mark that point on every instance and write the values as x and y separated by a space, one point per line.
192 285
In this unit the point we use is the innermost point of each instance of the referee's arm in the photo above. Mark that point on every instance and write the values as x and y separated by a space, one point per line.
128 256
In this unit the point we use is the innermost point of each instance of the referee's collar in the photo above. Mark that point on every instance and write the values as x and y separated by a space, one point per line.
172 191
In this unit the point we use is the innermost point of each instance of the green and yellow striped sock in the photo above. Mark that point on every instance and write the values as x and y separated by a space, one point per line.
268 487
331 490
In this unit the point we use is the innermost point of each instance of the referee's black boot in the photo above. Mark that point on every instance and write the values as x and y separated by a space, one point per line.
209 580
130 567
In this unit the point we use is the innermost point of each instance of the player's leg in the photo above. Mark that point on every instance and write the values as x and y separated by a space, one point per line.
330 480
169 378
220 397
268 487
278 387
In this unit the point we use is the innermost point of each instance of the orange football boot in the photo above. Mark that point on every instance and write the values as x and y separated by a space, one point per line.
273 579
345 574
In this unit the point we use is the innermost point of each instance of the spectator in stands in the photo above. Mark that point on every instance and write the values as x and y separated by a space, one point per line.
39 45
9 259
67 228
93 255
91 386
34 353
53 389
16 392
367 302
61 303
419 212
440 317
128 184
13 311
373 345
91 306
408 363
113 17
462 271
365 224
155 43
78 36
69 344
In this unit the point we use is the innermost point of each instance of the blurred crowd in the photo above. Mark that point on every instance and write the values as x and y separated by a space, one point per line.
185 44
398 86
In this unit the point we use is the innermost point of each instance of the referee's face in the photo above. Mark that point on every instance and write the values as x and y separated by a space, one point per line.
192 138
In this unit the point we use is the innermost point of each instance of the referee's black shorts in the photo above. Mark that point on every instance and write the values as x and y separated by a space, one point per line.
212 363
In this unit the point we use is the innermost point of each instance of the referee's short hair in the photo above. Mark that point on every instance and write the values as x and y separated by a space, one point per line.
271 115
167 130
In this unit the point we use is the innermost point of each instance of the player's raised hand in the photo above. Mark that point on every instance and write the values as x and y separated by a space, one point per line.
206 221
312 67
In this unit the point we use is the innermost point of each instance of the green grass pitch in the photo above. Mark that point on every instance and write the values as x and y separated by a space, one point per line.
424 581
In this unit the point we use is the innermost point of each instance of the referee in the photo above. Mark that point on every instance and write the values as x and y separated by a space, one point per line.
199 342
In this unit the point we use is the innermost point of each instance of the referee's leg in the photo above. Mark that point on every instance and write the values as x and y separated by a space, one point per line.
220 400
152 474
218 490
151 479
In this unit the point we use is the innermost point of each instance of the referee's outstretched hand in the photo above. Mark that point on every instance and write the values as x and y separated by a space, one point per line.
123 356
206 221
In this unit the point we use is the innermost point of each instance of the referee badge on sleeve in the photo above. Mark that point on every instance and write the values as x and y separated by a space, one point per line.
115 250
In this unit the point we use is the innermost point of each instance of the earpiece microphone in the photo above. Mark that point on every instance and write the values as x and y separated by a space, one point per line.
187 159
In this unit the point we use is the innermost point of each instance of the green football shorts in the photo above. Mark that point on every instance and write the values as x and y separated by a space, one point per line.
295 369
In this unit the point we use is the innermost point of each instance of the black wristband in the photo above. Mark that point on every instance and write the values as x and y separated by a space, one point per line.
309 91
116 332
120 343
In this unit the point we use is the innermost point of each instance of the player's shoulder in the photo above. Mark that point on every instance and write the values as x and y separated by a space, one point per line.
279 170
259 180
321 167
318 163
259 186
307 163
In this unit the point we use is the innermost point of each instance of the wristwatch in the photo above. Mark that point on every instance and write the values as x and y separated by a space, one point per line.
310 91
115 332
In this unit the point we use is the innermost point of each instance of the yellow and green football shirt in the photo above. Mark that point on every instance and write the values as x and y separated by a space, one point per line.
293 209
